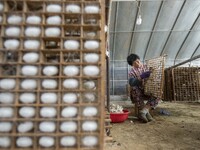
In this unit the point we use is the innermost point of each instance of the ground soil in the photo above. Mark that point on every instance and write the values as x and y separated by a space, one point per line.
180 130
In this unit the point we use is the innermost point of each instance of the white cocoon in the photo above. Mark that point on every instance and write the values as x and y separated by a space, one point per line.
46 141
71 44
47 126
70 98
48 112
90 34
1 7
27 98
49 98
89 85
69 126
29 84
7 84
73 8
50 70
71 83
11 44
90 140
32 44
1 19
52 32
33 19
29 70
92 9
90 111
24 142
89 126
91 45
71 70
69 112
54 20
68 141
89 97
91 70
49 83
31 57
25 127
5 142
13 31
54 8
14 19
27 112
32 31
5 126
6 112
6 98
91 57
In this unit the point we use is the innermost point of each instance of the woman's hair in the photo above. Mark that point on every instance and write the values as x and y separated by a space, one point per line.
131 58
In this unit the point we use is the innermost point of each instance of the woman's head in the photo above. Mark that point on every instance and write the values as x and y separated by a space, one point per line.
134 60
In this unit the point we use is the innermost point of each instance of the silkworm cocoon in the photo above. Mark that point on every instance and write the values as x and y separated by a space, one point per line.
33 19
24 142
29 70
54 20
11 44
70 98
32 31
27 112
12 31
73 8
5 126
7 84
32 44
69 126
71 70
6 98
69 112
71 83
53 8
90 111
27 98
52 32
91 45
46 141
25 127
89 97
90 34
29 84
91 70
31 57
89 126
92 9
71 44
5 142
49 83
68 141
50 70
89 140
49 98
6 112
1 19
47 126
48 112
14 19
89 85
91 57
1 7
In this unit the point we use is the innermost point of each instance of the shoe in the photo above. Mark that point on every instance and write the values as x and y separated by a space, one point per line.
149 117
142 115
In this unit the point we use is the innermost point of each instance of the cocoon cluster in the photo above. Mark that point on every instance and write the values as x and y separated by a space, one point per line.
70 83
54 20
11 44
48 112
73 8
33 19
29 70
7 84
32 31
53 8
71 44
31 57
27 112
68 126
29 84
50 70
6 112
52 32
5 142
5 126
90 97
49 84
90 111
24 142
46 141
6 98
68 141
12 31
49 98
71 70
70 98
90 140
91 70
27 98
14 19
32 44
91 44
69 112
89 126
89 85
47 126
25 127
92 9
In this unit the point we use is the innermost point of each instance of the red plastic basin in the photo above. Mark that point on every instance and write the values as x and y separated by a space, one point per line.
119 117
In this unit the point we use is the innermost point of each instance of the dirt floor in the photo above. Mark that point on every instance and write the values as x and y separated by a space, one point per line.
179 130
